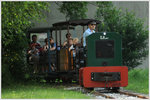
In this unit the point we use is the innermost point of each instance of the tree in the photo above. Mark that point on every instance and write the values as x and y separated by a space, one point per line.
134 35
74 10
16 19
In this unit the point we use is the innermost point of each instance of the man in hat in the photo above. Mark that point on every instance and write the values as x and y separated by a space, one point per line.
89 31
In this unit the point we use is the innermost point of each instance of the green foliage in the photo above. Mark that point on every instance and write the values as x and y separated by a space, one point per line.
74 10
40 91
138 80
134 35
16 19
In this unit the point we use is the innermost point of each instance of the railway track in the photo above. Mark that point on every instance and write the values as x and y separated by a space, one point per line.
107 94
116 95
96 93
132 94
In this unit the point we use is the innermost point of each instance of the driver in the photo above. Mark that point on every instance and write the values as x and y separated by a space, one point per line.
89 31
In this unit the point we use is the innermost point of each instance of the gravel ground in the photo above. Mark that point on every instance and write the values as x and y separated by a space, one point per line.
118 95
115 95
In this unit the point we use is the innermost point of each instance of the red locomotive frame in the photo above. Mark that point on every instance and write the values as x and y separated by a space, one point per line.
85 76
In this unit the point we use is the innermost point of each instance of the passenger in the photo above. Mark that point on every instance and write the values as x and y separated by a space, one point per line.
44 57
52 44
53 59
45 47
45 50
68 36
89 31
34 57
34 41
75 41
70 44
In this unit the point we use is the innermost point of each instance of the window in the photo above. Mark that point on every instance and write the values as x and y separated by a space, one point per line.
105 49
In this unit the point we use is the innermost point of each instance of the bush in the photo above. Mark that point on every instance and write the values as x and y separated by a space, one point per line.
134 35
16 19
74 10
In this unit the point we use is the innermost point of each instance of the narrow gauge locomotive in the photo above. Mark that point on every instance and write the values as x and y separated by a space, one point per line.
104 62
99 64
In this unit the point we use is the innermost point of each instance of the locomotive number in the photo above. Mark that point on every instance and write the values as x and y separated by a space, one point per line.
103 37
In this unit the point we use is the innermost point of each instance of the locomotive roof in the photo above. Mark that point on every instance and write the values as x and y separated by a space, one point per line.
81 22
45 29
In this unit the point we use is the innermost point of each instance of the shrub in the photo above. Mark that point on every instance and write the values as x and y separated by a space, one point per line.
16 19
74 10
134 35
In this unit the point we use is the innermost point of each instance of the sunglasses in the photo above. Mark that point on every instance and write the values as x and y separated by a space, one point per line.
93 24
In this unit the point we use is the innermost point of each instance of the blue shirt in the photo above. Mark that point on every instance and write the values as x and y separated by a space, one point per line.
85 34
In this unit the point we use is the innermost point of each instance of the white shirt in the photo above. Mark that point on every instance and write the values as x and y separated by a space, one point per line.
71 47
85 34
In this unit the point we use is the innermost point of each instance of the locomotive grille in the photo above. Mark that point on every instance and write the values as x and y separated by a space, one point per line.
105 49
105 76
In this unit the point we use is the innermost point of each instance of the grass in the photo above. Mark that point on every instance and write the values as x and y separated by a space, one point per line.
40 91
138 80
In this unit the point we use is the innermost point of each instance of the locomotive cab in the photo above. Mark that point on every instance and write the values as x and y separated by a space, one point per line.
104 50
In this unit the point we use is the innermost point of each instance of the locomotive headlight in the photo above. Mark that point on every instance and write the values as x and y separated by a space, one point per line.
103 36
104 33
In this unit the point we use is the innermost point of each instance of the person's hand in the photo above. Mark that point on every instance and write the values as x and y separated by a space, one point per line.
36 51
29 52
44 49
65 43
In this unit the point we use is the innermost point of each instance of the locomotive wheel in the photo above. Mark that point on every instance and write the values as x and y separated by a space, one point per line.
47 80
67 80
115 89
91 89
50 80
108 88
64 80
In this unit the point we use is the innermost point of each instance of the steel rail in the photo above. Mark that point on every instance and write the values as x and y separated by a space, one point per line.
132 94
98 93
103 95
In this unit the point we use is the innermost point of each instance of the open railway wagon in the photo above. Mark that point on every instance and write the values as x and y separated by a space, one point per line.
52 55
68 65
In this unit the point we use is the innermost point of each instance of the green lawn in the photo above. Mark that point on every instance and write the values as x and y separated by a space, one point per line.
40 91
138 80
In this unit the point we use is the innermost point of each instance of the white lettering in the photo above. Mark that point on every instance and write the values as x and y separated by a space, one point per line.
103 37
